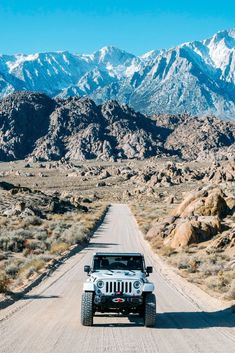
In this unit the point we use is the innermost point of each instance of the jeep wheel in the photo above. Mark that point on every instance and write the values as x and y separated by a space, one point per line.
87 309
149 310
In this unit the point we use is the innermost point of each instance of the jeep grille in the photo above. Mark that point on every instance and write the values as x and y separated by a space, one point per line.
112 287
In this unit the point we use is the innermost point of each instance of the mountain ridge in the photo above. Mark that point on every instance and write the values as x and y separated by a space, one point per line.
35 125
197 77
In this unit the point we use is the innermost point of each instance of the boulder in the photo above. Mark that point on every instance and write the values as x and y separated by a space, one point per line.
206 202
195 230
161 229
226 241
191 197
215 205
170 199
105 175
230 201
100 184
183 235
20 207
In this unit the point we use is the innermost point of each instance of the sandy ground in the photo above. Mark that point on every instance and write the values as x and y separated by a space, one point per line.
48 318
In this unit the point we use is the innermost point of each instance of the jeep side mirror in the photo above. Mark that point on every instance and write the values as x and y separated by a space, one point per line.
149 270
87 269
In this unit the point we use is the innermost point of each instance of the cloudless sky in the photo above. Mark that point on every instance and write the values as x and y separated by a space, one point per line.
83 26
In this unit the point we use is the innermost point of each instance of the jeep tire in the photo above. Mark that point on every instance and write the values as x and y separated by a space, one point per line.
149 310
87 309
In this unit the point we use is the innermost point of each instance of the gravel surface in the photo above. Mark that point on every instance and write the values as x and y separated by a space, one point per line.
48 318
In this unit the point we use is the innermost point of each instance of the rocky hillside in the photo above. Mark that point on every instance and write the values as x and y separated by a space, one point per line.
198 137
32 124
75 128
24 117
197 77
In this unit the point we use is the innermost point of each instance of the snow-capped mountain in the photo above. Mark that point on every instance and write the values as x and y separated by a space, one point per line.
197 77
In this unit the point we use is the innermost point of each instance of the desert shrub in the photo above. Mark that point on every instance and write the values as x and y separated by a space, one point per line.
47 244
38 251
3 221
185 262
14 240
30 271
56 230
12 270
220 282
190 249
32 221
210 269
25 233
231 291
156 242
40 234
26 252
46 257
34 244
58 227
2 256
4 282
74 235
167 250
144 227
182 262
11 243
59 248
193 264
31 266
226 277
212 282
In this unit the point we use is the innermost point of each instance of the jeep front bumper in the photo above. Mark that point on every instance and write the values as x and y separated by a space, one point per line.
118 301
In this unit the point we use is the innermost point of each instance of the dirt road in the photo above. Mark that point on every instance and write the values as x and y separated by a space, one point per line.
48 318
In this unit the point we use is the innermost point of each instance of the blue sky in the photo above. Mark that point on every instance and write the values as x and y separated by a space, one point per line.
83 26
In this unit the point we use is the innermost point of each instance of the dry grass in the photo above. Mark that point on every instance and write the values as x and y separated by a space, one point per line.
26 245
4 282
231 291
166 251
147 213
209 271
31 267
59 248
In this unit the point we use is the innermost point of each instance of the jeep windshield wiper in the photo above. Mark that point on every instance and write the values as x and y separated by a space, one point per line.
102 269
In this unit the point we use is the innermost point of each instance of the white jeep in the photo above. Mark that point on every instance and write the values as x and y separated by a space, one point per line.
118 283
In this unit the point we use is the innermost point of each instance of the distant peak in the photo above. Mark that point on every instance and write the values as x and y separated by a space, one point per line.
231 33
223 35
150 55
112 54
109 48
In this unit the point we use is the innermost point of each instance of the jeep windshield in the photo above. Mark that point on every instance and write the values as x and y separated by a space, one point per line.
120 262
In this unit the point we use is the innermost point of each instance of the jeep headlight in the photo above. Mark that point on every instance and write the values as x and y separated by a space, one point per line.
100 284
137 284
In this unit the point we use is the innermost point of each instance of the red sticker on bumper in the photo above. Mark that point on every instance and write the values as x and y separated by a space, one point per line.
118 300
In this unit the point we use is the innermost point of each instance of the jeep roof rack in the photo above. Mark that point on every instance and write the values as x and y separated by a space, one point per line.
118 254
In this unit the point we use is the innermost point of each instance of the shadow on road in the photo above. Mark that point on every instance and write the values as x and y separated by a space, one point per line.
31 297
93 245
195 320
178 320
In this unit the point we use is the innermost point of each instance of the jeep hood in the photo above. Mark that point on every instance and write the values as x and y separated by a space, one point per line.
117 274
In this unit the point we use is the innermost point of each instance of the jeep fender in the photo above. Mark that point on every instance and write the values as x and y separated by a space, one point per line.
148 287
88 287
